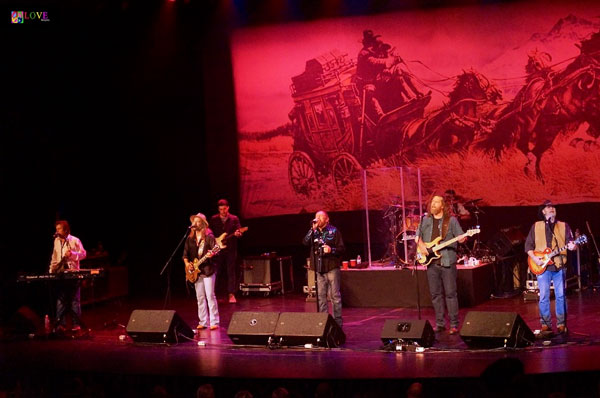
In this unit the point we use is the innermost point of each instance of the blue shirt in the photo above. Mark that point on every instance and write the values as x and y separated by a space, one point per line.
424 232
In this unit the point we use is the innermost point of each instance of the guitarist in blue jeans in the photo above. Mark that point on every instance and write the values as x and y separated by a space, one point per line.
441 272
550 233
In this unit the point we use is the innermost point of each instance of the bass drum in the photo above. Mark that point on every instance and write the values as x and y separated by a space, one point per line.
406 247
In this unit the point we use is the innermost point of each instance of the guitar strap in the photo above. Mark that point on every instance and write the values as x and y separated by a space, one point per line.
201 248
445 225
560 229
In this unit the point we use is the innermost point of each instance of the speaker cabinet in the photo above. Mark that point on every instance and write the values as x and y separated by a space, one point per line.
317 328
157 326
252 328
410 330
261 270
495 329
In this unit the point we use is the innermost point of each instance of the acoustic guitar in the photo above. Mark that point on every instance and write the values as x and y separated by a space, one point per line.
193 275
547 255
435 246
224 237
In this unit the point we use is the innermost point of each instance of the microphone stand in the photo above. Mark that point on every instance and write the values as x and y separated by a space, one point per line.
317 264
168 292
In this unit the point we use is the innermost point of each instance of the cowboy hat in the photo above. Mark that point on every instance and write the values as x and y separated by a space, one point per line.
201 216
541 207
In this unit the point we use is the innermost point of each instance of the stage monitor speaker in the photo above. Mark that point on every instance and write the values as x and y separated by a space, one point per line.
410 330
157 326
252 328
300 328
495 329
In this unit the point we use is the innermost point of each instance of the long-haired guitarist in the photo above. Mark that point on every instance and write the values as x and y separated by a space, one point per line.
441 272
199 244
549 233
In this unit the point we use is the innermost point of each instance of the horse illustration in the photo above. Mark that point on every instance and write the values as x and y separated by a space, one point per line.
455 125
550 103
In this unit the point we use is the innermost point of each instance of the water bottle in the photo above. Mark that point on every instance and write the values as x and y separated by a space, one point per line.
47 324
358 260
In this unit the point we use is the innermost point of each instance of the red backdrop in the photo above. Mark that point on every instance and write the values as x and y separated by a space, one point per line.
504 106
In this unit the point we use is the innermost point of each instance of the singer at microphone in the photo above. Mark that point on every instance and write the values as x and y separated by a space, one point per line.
549 233
326 251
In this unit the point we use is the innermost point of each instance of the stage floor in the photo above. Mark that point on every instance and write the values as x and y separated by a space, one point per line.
105 351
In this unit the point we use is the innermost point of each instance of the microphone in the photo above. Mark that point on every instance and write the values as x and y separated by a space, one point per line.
56 235
314 221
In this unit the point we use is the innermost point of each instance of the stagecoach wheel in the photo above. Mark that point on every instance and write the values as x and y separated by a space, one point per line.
345 169
302 175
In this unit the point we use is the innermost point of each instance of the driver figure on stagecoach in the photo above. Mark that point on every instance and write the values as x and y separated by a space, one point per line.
375 64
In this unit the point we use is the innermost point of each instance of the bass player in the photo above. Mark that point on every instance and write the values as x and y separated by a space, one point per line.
441 272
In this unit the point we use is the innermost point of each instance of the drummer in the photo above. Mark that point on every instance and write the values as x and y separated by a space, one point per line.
456 205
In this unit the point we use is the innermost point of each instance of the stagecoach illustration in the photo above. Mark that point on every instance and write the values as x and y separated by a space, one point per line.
333 133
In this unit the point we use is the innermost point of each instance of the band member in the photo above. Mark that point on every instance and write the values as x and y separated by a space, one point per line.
456 205
198 244
441 272
67 253
550 233
327 248
226 261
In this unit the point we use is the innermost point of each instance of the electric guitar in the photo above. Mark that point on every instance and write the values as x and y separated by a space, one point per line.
224 237
435 246
547 255
193 275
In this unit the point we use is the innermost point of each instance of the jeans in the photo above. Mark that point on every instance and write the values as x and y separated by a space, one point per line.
328 285
442 286
557 277
69 296
205 291
226 262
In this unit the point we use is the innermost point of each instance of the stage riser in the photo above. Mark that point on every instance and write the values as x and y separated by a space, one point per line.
390 287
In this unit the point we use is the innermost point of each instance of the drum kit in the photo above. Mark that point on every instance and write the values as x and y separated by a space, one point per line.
403 229
404 220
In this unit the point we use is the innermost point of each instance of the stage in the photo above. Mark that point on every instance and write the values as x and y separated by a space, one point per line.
108 354
387 286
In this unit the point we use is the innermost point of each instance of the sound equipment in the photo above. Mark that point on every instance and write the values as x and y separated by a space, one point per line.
261 270
411 330
157 326
252 328
502 245
316 328
495 329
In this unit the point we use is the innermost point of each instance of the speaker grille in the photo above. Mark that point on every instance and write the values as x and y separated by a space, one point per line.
252 328
495 329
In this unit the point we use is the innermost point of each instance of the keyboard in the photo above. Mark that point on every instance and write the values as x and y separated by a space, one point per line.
85 273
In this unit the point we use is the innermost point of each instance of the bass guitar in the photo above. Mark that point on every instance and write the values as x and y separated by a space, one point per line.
435 246
547 255
193 275
224 237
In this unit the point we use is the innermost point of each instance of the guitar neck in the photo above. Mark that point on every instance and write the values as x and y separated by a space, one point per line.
577 242
449 242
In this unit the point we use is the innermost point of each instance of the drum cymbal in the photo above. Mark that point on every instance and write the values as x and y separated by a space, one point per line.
472 202
408 206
